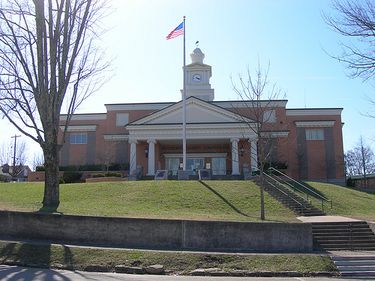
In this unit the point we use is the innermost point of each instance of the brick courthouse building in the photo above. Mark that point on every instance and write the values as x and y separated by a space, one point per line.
307 142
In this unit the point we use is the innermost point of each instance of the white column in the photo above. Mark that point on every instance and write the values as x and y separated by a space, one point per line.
151 157
254 155
235 163
133 156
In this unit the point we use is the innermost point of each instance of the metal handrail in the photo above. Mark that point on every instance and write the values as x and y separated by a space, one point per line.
322 198
282 191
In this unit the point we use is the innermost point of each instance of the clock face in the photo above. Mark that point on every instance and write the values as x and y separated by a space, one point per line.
196 78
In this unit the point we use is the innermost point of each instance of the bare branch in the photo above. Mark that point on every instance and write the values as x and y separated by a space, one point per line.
355 20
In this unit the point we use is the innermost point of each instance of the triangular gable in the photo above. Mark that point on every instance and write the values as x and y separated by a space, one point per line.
197 111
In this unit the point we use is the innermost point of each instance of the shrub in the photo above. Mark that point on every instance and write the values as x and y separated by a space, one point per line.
72 177
118 167
70 168
40 169
350 182
112 174
91 167
4 178
98 175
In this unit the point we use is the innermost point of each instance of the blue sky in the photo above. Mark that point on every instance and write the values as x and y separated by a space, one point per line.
291 35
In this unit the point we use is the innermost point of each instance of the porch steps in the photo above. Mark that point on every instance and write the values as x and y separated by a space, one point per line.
291 200
356 235
355 265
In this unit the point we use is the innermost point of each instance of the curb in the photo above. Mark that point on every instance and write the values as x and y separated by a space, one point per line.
197 272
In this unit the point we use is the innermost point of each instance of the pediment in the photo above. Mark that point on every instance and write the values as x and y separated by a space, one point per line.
197 111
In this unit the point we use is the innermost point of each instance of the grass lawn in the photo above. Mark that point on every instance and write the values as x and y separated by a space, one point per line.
209 200
60 256
347 202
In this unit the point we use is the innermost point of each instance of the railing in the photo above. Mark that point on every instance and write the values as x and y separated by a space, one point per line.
282 191
302 188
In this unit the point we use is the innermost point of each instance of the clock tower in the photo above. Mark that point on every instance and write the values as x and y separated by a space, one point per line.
198 77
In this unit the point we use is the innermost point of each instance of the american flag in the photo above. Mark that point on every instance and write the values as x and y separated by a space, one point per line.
179 30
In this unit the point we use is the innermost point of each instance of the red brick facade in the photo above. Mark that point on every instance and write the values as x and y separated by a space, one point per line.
320 159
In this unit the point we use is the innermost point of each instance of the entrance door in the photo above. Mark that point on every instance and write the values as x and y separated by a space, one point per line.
194 164
219 166
172 165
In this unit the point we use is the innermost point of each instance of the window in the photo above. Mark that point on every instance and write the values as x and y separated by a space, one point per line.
269 116
314 134
78 138
122 119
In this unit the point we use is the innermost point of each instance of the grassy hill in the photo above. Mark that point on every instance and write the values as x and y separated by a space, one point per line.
209 200
347 201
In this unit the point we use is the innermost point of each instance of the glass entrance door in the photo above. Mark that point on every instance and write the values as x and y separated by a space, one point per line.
219 166
194 164
172 165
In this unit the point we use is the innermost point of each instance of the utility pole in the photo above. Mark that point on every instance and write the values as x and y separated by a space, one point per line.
14 151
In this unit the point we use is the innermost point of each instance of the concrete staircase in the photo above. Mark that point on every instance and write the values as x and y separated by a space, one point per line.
362 266
354 235
290 199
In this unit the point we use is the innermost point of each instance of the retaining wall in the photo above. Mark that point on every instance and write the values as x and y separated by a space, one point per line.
158 234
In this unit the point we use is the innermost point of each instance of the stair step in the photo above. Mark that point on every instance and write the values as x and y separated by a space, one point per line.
343 236
359 273
339 223
355 263
341 247
356 268
353 258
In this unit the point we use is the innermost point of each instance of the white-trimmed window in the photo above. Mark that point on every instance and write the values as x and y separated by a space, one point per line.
78 138
122 119
314 134
269 116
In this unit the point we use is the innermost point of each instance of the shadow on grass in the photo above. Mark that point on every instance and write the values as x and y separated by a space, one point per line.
6 252
225 200
27 255
68 257
49 210
313 191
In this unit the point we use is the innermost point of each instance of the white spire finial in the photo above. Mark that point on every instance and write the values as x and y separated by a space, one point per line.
197 56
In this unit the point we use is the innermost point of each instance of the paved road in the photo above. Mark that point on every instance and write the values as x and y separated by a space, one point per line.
15 273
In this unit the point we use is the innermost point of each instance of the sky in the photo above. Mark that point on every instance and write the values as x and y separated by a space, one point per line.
289 35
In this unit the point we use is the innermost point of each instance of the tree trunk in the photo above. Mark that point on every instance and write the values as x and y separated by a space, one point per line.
51 197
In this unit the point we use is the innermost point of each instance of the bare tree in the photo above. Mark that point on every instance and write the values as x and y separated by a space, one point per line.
47 56
5 153
38 160
13 157
259 100
356 20
360 160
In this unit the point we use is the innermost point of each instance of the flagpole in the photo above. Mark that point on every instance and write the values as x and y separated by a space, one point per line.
184 108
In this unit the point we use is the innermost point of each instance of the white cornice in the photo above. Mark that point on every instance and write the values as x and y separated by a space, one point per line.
116 137
85 117
80 128
310 124
137 106
281 134
314 111
193 131
250 104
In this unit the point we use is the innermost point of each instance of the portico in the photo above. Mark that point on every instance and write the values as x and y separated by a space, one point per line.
207 126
